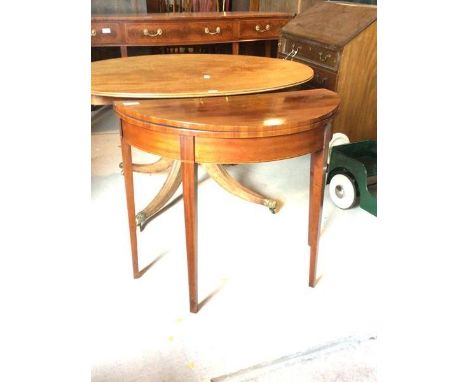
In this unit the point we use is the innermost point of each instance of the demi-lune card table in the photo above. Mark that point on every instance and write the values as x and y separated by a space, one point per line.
188 76
232 129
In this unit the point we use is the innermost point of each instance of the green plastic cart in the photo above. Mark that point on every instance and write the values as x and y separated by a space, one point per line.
352 175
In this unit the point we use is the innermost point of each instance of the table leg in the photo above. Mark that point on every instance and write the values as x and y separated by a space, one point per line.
318 165
128 176
268 48
219 174
235 48
190 185
168 189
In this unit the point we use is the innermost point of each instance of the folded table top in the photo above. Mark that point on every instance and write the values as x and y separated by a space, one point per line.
248 116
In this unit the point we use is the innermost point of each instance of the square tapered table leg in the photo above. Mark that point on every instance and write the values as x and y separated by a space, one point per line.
128 176
190 188
318 171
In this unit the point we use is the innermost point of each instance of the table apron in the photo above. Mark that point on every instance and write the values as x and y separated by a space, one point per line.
227 150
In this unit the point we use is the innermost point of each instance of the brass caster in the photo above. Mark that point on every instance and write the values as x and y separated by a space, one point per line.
140 220
271 204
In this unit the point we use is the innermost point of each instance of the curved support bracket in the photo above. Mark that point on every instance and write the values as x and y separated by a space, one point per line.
158 166
168 189
226 181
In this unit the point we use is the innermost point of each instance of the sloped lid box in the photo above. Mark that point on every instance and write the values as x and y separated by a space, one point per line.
331 23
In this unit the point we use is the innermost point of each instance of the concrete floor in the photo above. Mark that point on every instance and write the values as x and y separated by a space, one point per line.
253 275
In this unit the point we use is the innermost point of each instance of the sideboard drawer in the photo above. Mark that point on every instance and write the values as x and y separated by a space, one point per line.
311 52
261 29
153 33
209 31
189 32
106 33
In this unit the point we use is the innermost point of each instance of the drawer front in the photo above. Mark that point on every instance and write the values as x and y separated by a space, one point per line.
106 33
323 78
178 33
311 52
209 31
152 33
261 28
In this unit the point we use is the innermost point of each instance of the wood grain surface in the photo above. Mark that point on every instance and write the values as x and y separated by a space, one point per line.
239 129
193 75
258 115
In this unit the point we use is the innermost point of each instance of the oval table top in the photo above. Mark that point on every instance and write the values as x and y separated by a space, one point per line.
259 115
193 75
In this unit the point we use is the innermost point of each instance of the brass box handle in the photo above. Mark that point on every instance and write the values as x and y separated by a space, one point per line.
217 31
159 32
258 28
324 58
93 32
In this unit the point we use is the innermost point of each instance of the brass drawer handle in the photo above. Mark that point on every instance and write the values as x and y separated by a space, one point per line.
146 32
93 32
258 28
217 31
291 54
324 58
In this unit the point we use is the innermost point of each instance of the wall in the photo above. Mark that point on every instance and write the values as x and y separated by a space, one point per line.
278 6
240 5
117 6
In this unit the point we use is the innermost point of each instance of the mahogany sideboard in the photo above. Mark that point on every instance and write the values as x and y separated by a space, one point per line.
179 29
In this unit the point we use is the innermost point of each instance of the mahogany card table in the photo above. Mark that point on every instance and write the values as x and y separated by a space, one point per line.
188 76
231 129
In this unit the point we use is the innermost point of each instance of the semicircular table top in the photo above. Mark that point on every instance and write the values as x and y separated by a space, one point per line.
193 75
269 114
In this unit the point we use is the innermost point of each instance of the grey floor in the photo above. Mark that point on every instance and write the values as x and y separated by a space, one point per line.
253 277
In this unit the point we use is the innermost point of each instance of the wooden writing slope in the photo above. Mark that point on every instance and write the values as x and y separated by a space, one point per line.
339 41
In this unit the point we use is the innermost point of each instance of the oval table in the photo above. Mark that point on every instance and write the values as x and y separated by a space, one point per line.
188 76
241 129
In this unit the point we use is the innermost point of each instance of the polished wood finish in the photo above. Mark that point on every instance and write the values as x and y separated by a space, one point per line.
197 76
249 128
166 192
266 116
190 188
253 29
192 75
357 86
318 170
128 176
193 33
158 166
186 28
113 35
339 41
